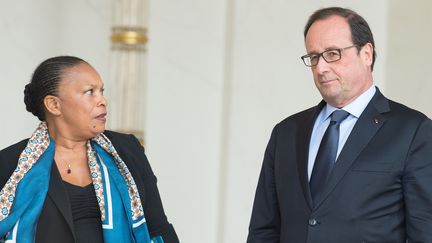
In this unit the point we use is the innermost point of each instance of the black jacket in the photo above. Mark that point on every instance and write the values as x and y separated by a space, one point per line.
380 189
55 222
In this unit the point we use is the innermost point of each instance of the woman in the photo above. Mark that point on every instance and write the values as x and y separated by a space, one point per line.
72 181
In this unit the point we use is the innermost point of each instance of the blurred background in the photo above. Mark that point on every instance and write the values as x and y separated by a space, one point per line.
214 77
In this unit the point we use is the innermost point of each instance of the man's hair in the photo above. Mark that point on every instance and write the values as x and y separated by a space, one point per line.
360 31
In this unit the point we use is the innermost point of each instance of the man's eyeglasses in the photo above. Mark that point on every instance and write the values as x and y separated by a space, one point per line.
331 55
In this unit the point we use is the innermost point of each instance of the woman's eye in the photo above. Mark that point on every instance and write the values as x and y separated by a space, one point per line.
89 92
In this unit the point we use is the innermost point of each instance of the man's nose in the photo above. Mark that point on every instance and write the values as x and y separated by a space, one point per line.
322 66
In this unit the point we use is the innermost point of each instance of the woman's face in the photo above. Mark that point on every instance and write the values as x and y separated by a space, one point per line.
83 108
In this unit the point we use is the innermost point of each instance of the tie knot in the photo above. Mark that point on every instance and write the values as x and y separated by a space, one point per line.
338 116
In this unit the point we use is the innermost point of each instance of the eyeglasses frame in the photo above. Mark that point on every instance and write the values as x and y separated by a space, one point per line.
340 50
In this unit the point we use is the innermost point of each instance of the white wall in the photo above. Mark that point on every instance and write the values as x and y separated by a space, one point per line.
221 74
32 31
185 79
409 53
21 49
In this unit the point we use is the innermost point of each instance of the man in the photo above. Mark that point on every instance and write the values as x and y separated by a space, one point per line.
355 168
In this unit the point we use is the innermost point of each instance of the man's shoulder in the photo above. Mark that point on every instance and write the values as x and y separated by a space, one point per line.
301 117
393 109
404 112
396 106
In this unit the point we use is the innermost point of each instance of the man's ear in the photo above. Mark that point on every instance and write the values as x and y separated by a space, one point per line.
367 52
52 105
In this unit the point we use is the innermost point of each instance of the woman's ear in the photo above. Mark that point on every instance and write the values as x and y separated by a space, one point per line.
52 105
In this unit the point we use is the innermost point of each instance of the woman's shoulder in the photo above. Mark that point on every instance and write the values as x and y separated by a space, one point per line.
129 148
117 137
9 160
13 149
123 141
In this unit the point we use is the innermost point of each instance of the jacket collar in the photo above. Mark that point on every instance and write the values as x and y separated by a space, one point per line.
367 125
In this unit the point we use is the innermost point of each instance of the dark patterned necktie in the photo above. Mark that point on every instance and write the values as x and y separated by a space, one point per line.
326 155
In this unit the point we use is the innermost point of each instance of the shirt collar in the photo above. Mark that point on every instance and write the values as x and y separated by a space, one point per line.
356 107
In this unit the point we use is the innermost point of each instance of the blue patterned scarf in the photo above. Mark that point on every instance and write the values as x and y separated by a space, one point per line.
23 195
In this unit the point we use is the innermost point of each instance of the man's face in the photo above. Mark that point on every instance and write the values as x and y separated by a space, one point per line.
342 81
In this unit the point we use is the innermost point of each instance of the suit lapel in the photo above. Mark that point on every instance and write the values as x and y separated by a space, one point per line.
364 130
303 137
57 193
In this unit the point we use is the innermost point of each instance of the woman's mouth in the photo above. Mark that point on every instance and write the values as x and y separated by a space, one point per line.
102 117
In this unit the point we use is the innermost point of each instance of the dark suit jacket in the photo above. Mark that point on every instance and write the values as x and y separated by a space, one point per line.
380 189
55 222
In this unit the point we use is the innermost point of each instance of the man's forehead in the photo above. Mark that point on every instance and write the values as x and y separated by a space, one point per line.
332 32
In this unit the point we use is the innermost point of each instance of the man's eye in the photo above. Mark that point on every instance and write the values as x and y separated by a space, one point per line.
332 53
314 58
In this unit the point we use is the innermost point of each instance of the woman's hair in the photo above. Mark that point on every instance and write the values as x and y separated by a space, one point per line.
45 81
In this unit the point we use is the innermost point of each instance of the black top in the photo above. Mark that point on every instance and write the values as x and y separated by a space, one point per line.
55 222
85 212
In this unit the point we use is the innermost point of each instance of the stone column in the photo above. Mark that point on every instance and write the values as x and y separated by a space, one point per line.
127 82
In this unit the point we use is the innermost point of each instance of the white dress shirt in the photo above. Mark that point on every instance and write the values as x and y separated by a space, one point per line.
355 108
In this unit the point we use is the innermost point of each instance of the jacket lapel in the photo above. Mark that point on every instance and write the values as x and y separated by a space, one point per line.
303 138
364 130
130 160
57 193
